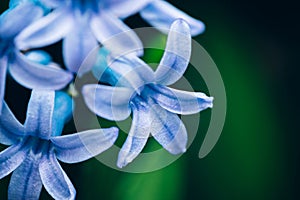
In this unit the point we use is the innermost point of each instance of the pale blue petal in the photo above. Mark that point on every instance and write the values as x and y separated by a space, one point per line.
111 103
168 130
138 134
78 45
63 107
161 15
39 56
16 19
53 3
115 35
81 146
34 75
3 72
47 30
180 102
25 182
177 54
125 8
11 158
39 113
54 179
10 128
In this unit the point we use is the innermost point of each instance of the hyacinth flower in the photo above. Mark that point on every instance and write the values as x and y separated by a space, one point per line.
81 25
26 72
36 147
154 106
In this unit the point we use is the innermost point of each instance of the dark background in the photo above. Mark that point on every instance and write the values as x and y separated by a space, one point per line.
255 46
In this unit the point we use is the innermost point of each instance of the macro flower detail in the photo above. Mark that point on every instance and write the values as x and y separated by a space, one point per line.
28 73
36 146
154 106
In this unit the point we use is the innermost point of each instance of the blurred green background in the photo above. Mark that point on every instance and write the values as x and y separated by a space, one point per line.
255 46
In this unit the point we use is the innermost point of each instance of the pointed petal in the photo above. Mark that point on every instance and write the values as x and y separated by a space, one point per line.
180 102
115 35
84 145
80 44
63 108
168 14
39 114
3 71
16 19
168 130
10 127
48 30
11 158
54 179
177 54
34 75
138 134
111 103
125 8
25 182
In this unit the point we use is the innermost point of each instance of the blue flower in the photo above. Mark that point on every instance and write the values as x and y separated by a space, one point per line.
144 93
28 73
36 146
81 25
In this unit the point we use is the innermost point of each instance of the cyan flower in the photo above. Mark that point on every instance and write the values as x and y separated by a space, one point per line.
144 93
28 73
36 146
81 25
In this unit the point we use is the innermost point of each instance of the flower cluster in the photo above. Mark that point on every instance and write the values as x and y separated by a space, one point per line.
131 86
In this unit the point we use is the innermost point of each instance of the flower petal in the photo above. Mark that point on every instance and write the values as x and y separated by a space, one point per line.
111 103
78 45
34 75
138 134
16 19
53 3
180 102
125 8
168 130
10 127
115 35
3 71
11 158
46 31
177 54
81 146
63 108
168 14
39 114
25 182
54 179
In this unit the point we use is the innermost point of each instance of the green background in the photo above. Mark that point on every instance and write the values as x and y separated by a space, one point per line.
255 46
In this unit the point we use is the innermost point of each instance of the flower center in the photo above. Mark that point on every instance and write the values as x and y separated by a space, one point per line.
85 6
37 145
